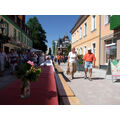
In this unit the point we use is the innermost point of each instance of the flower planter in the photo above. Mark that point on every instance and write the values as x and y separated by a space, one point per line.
25 89
79 66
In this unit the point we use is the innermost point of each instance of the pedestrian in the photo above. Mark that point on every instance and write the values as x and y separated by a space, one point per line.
41 59
72 57
59 59
23 57
89 63
14 60
2 60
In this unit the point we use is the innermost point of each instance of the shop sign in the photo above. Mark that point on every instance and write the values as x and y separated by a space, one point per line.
113 67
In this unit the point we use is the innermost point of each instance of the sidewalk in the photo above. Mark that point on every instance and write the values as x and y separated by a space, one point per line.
100 91
6 79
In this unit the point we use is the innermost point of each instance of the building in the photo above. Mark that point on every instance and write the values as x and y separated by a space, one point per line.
54 47
85 34
16 29
62 45
101 34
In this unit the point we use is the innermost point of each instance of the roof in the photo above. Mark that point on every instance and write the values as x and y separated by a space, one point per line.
80 20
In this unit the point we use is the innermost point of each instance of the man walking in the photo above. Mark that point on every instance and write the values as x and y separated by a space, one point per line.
59 59
89 63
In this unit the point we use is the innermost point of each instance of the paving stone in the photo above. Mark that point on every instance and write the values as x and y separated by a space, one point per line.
99 91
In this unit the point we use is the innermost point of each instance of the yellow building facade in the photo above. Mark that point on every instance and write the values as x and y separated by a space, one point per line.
93 31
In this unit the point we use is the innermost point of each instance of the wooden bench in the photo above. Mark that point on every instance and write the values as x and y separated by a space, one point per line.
66 95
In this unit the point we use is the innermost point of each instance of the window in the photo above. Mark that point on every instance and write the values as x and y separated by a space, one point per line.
72 38
80 50
106 19
15 18
77 35
14 33
19 36
77 51
21 23
94 48
85 29
85 50
93 22
80 32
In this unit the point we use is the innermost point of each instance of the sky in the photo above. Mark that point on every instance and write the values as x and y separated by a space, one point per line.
56 25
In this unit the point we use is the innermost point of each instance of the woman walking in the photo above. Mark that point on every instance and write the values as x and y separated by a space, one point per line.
72 57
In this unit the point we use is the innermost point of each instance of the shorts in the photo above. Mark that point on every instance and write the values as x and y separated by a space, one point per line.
88 65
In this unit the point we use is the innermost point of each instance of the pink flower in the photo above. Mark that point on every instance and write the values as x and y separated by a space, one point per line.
31 63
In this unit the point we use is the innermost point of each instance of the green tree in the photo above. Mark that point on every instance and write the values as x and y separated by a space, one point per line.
49 51
68 50
38 34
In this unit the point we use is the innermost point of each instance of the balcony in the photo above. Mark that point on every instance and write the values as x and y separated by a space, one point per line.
114 22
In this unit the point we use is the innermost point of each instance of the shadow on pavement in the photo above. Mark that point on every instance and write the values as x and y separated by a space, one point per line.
117 80
67 80
78 77
97 78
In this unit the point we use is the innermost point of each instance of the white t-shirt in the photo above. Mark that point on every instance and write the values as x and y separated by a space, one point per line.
72 57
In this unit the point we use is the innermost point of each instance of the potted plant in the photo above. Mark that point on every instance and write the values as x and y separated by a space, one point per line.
28 73
79 63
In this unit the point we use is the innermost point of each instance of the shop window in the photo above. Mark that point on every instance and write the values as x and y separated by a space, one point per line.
110 51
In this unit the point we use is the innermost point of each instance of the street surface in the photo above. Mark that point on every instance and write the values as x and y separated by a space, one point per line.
6 79
99 91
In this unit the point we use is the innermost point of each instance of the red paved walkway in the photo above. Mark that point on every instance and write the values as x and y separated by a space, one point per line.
43 92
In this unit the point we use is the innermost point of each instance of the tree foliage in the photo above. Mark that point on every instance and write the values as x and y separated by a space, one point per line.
38 34
68 50
49 51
